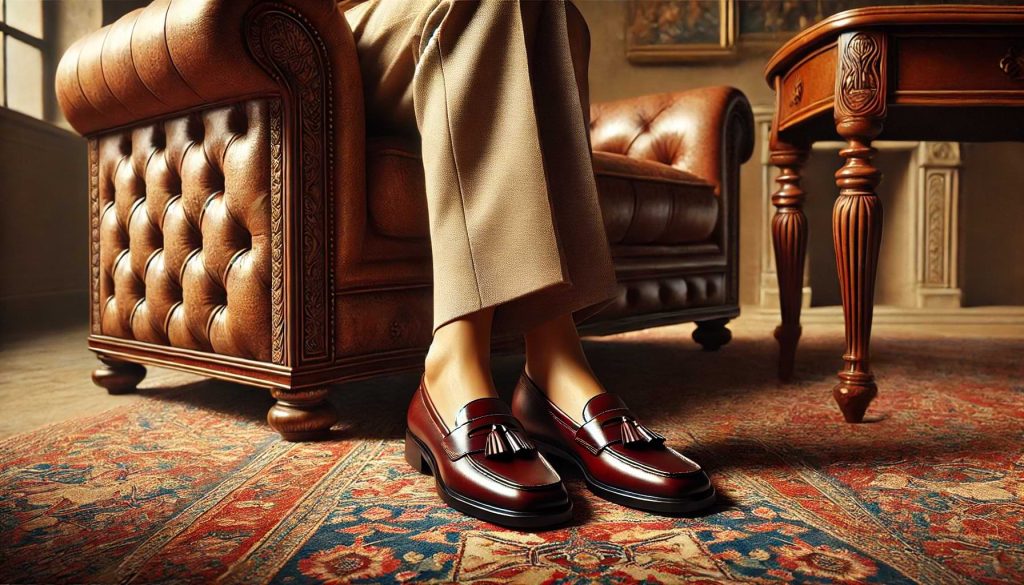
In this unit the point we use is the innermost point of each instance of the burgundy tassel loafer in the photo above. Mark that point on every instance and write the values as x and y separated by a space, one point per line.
621 460
485 467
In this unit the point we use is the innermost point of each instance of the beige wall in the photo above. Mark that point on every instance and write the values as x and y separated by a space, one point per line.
992 201
992 220
44 226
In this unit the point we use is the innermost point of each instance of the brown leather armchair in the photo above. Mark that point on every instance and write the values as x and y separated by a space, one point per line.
245 227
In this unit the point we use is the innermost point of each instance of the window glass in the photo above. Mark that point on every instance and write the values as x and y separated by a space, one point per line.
24 78
1 10
26 16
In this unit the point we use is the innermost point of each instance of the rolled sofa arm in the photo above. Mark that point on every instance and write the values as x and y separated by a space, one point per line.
697 130
226 148
177 55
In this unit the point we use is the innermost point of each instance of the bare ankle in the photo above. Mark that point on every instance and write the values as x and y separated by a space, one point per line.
457 366
556 363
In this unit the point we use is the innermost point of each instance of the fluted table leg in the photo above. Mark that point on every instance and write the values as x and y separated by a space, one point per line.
860 110
856 234
789 237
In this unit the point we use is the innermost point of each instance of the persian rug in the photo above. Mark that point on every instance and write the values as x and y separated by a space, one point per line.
189 484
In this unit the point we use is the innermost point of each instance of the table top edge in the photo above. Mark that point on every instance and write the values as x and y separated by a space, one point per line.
886 16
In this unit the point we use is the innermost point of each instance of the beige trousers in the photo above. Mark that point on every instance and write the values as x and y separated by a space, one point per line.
497 92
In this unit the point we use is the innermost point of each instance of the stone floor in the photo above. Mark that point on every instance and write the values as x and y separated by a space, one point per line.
45 378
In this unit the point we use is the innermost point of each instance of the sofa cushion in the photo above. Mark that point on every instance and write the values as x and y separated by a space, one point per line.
643 202
647 202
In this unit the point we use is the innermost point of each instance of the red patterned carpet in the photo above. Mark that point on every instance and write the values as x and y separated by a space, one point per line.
190 486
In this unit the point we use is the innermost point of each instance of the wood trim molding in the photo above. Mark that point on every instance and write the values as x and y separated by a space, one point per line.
94 236
284 43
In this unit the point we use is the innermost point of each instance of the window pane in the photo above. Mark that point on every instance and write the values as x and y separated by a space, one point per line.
26 16
1 10
24 78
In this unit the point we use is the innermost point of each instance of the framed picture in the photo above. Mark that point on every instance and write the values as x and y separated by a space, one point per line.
769 23
680 30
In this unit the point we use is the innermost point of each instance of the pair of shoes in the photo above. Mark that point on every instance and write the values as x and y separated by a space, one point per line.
493 467
485 467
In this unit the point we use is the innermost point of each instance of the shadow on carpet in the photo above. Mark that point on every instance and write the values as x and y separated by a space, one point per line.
191 486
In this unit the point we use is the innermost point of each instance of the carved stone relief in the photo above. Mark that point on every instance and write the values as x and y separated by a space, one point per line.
938 201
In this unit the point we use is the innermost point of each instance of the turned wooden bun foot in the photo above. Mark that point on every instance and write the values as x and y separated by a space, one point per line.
854 394
118 377
303 415
788 338
712 334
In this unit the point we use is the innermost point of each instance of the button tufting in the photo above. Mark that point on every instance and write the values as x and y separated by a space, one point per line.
158 201
135 308
665 294
231 263
206 204
159 139
149 261
120 255
194 129
238 121
632 295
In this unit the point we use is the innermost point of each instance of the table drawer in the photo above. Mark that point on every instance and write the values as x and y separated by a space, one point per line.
808 86
957 69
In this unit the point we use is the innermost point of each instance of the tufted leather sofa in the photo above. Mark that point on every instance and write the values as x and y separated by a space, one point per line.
245 226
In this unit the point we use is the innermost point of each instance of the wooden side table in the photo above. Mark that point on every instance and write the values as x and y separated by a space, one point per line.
953 73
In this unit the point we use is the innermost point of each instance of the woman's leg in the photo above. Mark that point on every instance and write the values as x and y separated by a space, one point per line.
458 365
497 92
556 363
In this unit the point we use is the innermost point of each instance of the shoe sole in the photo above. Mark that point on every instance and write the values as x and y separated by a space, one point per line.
419 457
668 506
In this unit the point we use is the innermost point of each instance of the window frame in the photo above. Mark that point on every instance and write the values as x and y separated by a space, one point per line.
38 43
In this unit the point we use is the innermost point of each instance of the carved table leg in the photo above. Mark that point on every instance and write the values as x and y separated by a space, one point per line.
118 377
789 237
856 234
712 334
302 415
860 109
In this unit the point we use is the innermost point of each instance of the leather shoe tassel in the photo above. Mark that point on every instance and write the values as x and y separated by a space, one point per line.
635 434
505 442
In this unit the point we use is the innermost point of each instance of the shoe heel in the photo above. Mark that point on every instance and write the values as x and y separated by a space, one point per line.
414 455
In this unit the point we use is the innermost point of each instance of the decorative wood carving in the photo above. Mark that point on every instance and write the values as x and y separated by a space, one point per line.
789 236
94 235
278 310
1012 64
798 93
860 80
290 49
860 107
